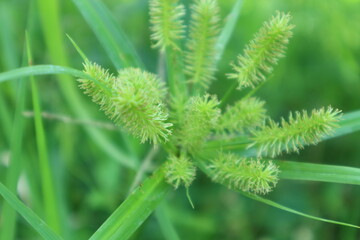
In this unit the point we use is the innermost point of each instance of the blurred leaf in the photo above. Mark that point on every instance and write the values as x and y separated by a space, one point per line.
38 224
276 205
135 209
109 33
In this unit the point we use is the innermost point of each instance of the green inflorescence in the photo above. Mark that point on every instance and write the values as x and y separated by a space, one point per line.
244 174
200 54
139 101
263 52
180 171
167 24
300 130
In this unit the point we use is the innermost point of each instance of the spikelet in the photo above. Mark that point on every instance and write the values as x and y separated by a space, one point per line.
204 30
179 171
244 174
201 116
300 130
166 24
244 115
263 51
134 101
98 94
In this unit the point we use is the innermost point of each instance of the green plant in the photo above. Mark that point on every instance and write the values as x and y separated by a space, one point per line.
190 125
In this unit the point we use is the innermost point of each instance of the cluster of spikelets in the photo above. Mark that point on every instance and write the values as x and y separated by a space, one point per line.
135 99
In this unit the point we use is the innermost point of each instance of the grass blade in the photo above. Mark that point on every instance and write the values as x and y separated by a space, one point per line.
228 29
48 189
349 123
110 35
318 172
206 170
166 225
276 205
135 209
12 174
38 224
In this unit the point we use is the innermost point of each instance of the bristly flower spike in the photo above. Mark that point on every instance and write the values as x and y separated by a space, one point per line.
179 171
263 52
245 114
201 116
244 174
201 50
300 130
135 101
166 23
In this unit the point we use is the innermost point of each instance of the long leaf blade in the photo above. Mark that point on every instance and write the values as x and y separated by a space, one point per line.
135 209
318 172
36 222
276 205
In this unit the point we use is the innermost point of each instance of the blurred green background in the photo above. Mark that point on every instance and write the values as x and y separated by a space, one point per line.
321 68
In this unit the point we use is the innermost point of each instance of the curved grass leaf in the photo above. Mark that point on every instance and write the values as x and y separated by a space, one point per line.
318 172
135 209
202 165
111 37
37 223
274 204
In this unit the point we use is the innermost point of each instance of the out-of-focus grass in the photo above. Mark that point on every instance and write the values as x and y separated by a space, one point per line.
321 68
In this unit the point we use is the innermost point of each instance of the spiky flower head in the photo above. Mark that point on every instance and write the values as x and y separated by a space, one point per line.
244 174
134 101
179 171
263 52
201 116
166 23
201 49
301 129
244 115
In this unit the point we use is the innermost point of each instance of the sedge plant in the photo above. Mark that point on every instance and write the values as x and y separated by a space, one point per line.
235 144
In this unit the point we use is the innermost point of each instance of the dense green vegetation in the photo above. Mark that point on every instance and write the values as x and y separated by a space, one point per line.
73 168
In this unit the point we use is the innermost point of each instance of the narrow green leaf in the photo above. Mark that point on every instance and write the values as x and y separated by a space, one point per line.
203 166
166 225
40 70
49 196
228 29
38 224
276 205
112 38
135 209
8 227
318 172
349 123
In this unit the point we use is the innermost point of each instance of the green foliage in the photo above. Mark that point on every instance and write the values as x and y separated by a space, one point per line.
135 101
299 131
201 52
244 174
201 116
263 52
185 121
179 171
167 26
245 114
